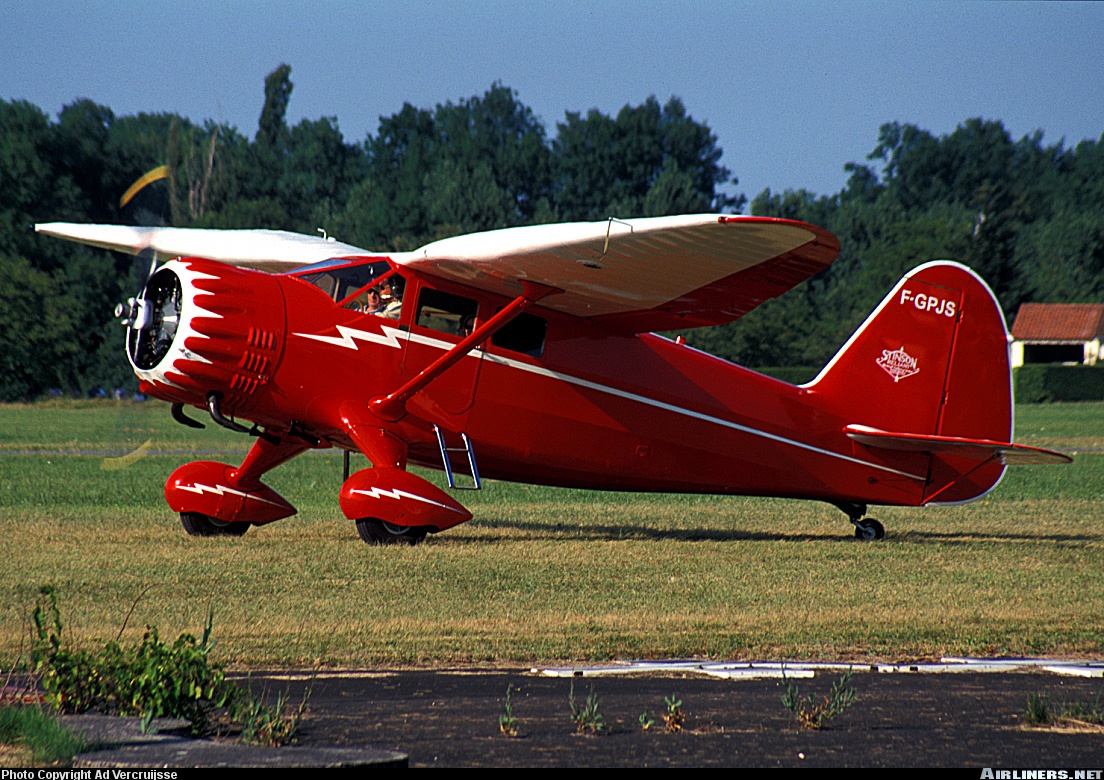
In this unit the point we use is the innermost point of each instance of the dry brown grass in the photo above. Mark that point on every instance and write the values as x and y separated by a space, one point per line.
546 575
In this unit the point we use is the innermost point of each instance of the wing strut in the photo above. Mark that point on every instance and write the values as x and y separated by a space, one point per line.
392 407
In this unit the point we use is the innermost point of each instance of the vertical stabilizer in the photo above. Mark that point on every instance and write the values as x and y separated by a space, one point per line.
932 360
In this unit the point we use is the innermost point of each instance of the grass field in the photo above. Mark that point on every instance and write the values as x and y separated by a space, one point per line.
543 574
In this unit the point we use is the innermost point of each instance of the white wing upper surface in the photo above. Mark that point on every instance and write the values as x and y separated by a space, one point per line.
615 267
268 250
653 273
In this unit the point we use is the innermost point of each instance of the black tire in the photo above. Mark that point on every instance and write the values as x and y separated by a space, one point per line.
377 532
197 524
869 530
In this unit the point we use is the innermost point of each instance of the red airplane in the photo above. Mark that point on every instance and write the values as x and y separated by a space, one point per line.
533 348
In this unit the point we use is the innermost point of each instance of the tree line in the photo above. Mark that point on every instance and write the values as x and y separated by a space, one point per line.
1027 216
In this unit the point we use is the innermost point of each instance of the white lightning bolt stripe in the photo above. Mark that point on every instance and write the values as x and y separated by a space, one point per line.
219 490
400 494
390 337
348 334
579 382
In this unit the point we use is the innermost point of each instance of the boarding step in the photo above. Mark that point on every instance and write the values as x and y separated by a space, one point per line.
446 460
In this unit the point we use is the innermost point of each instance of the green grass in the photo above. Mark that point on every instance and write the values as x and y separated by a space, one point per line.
1083 712
31 729
544 574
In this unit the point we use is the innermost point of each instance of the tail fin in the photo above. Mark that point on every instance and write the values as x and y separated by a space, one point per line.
932 360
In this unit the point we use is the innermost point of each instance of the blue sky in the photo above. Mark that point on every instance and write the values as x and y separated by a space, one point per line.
793 90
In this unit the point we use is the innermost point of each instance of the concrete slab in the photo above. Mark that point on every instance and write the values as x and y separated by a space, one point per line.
755 670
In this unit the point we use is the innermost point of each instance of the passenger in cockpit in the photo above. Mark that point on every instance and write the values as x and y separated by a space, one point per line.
393 308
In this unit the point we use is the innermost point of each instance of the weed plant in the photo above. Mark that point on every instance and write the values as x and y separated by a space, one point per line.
586 717
673 718
1038 710
1041 712
268 725
507 723
811 714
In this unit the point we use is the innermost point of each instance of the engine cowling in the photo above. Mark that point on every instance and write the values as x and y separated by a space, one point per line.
204 327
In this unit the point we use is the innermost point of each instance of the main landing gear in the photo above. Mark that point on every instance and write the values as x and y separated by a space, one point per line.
198 524
867 529
380 532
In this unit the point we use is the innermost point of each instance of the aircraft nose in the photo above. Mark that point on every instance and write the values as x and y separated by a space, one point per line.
208 328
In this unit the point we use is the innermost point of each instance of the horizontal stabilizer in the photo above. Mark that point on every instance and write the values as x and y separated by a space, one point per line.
979 449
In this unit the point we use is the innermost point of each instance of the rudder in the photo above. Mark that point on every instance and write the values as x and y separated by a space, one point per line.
932 359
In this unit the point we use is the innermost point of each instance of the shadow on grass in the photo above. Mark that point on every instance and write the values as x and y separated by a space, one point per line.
971 537
625 533
621 532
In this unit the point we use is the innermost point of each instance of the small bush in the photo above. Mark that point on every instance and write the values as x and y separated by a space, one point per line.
151 680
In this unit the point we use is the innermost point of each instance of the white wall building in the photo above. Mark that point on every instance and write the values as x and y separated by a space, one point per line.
1067 333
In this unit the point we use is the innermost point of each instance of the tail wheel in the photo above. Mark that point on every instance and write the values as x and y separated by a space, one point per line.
869 530
197 524
374 531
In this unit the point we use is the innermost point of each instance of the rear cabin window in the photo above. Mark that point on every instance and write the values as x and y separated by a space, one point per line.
524 334
446 313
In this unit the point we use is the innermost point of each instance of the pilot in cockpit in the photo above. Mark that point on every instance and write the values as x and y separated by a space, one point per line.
374 301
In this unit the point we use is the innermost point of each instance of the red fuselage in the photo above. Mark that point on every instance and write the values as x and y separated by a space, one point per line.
597 409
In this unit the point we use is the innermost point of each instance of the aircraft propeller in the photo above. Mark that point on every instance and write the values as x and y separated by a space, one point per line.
136 313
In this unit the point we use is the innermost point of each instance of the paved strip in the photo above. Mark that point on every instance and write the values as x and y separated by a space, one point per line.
167 746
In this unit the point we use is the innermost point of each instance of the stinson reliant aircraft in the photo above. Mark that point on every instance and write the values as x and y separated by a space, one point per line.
527 354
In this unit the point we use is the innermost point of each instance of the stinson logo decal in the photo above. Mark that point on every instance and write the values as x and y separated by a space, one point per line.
898 363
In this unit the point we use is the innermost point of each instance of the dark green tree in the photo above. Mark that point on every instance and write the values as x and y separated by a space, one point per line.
609 167
478 164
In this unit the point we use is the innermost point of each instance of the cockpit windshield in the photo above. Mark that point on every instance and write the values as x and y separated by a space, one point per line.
338 279
371 287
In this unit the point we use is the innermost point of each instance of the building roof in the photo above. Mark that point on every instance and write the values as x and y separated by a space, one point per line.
1059 322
